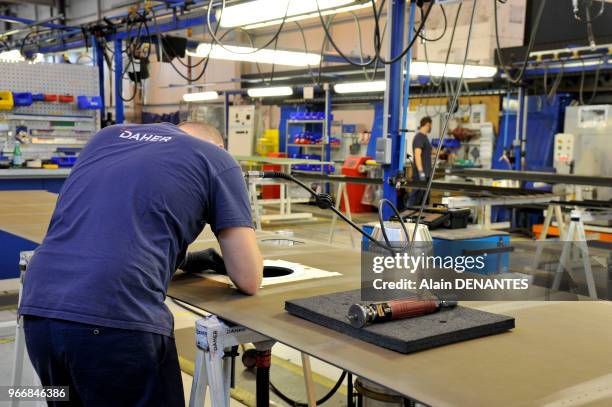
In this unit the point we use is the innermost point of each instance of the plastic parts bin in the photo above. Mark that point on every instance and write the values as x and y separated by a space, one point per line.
22 98
6 100
89 102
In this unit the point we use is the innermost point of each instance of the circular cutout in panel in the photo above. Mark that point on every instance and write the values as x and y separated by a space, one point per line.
276 271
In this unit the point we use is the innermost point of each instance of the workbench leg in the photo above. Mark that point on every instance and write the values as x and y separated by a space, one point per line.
542 237
227 373
586 262
350 398
567 247
285 205
200 381
214 368
560 221
310 386
347 212
255 203
19 357
332 228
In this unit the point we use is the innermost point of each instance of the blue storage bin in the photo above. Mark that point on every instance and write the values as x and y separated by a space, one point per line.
494 262
64 161
22 99
89 102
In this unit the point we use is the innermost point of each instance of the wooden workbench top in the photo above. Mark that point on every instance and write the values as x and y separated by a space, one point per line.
26 213
559 354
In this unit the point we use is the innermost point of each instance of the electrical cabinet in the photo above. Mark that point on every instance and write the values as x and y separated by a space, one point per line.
564 152
585 147
243 126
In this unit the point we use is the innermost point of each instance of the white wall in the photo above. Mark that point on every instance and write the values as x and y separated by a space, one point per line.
344 31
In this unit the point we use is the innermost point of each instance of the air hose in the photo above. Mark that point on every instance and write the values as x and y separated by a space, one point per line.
325 201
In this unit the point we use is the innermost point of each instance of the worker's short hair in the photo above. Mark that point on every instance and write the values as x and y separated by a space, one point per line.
202 131
425 120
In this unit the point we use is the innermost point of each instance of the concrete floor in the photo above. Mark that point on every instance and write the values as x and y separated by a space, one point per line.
316 228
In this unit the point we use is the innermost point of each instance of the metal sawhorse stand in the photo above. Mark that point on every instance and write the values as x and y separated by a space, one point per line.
576 235
552 211
20 359
214 340
341 196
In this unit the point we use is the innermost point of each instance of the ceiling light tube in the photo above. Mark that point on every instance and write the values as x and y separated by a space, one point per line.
439 69
200 96
249 54
259 13
360 87
270 91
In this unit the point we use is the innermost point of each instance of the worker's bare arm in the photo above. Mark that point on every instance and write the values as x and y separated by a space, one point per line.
418 158
242 258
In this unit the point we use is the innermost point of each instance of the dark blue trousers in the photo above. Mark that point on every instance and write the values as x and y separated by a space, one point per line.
104 366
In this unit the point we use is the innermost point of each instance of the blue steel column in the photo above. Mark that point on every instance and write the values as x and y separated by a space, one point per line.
391 117
405 103
327 131
119 115
98 56
516 144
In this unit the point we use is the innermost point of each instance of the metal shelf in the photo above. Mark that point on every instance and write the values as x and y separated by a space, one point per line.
321 121
312 145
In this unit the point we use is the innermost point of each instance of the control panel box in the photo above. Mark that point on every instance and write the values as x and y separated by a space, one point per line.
564 152
243 126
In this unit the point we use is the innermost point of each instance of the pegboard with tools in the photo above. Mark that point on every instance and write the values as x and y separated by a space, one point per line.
46 112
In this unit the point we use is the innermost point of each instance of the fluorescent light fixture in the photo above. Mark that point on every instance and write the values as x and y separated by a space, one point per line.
270 91
359 87
260 13
200 96
15 56
249 54
439 69
11 56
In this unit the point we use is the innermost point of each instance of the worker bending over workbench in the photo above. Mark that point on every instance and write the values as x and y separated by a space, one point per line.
93 296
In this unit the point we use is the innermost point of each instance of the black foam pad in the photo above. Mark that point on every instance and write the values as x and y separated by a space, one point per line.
405 335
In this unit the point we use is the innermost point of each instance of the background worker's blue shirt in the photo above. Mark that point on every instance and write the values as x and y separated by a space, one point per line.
137 197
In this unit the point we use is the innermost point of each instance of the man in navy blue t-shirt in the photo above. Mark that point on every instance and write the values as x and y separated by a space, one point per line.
93 296
421 165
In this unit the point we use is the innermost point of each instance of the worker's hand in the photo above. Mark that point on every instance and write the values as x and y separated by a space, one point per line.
203 260
422 177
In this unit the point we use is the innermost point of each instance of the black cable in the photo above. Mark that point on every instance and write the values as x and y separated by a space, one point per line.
532 38
325 201
322 400
595 84
218 40
330 19
408 47
448 51
454 102
331 40
443 31
555 86
299 26
206 60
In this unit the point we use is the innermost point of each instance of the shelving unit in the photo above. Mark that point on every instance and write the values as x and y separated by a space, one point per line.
303 124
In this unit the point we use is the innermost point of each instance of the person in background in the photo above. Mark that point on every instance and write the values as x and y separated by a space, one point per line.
93 297
421 165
